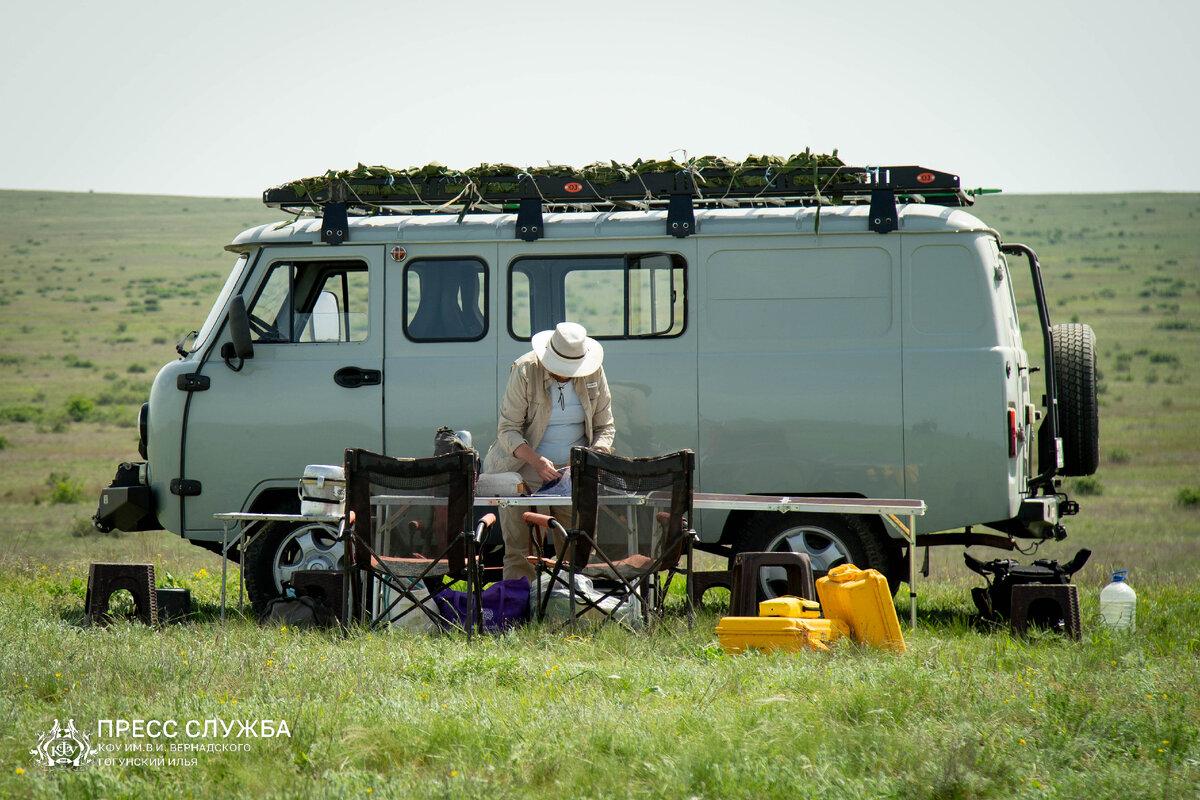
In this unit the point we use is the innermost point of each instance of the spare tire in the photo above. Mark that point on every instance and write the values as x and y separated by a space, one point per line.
1078 414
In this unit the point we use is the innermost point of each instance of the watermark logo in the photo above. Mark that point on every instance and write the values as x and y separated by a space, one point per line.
64 747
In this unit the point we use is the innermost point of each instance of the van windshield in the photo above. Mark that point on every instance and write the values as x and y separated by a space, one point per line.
214 313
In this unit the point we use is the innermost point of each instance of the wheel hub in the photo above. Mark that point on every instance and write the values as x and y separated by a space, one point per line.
308 547
824 550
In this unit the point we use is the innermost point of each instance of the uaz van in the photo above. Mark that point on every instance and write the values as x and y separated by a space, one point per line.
853 339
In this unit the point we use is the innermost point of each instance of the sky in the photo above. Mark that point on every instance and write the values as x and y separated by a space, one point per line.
227 99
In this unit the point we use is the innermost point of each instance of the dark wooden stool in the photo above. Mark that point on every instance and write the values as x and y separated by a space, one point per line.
1052 606
105 579
327 585
743 601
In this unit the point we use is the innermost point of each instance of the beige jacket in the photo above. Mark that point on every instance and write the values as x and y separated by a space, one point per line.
525 413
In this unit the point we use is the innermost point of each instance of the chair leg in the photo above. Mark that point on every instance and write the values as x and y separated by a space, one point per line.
687 594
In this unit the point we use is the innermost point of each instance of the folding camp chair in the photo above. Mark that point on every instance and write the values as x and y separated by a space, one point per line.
608 489
408 535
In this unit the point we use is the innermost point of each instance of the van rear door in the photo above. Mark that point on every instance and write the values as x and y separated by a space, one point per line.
312 388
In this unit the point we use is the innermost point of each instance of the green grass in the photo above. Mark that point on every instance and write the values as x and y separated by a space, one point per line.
964 714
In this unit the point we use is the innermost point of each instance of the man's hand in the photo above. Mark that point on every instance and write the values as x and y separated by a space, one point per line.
543 466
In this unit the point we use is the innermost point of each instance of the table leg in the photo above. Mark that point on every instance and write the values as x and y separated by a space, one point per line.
224 563
912 571
241 539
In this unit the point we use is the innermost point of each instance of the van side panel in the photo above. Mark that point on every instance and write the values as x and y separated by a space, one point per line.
799 368
961 376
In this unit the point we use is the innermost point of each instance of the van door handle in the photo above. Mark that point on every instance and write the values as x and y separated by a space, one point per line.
353 377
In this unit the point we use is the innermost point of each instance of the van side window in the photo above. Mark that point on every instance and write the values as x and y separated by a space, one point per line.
626 296
311 301
445 300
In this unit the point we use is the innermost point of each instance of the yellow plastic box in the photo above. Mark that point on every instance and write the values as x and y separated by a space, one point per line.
738 634
861 599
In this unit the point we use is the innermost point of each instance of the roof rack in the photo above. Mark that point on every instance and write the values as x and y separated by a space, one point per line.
336 197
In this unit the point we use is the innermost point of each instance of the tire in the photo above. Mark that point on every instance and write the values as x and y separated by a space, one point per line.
1078 413
827 539
274 554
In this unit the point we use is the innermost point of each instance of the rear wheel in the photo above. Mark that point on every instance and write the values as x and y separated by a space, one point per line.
829 540
275 554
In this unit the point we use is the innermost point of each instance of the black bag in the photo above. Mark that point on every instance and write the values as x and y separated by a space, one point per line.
299 612
446 440
995 600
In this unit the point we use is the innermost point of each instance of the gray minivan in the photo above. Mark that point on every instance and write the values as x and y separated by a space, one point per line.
859 350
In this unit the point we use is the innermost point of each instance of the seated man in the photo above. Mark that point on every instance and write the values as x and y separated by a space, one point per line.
557 398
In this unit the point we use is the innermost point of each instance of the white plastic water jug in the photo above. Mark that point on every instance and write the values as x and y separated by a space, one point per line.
1118 603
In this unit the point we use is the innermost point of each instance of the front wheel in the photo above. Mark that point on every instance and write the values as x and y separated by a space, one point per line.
275 554
828 540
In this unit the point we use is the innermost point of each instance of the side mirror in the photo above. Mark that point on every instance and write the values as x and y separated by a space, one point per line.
241 347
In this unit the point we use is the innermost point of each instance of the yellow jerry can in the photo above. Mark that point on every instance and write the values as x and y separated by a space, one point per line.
788 606
860 598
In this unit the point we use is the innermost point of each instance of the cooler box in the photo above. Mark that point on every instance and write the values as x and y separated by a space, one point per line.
861 599
738 634
323 490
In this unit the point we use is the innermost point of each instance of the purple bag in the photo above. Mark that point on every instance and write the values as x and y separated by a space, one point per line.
505 605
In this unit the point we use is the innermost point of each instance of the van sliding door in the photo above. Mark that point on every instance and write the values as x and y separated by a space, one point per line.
440 364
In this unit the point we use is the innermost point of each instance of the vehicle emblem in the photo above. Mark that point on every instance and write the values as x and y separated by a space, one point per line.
398 253
925 177
574 187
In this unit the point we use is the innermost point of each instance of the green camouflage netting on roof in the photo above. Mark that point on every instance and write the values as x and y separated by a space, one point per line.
709 172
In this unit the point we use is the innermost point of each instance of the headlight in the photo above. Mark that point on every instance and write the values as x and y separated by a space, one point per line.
143 425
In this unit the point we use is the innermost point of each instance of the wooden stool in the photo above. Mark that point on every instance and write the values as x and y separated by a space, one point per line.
743 601
104 579
1045 605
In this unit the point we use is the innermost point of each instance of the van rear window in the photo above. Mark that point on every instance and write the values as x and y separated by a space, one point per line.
623 296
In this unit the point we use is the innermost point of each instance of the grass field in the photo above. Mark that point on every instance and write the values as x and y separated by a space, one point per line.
96 289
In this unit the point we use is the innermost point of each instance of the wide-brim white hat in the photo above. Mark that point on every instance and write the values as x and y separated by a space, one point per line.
568 350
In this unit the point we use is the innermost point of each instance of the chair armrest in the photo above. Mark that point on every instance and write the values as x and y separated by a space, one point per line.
534 518
485 522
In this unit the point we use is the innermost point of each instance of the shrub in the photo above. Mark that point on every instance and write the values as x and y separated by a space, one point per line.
82 527
1119 455
1188 497
75 361
1088 485
135 369
3 443
24 412
80 408
56 422
63 490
